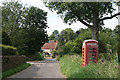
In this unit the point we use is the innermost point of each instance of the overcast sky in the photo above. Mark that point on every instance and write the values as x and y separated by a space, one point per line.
56 23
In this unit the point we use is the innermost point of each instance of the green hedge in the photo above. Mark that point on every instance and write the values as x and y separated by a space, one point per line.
15 70
8 50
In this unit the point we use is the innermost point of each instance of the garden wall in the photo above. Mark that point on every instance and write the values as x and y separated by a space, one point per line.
9 62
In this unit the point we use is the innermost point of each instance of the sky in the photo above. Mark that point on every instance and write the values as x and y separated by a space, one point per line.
56 23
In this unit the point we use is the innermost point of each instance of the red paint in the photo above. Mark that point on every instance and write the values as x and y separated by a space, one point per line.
89 52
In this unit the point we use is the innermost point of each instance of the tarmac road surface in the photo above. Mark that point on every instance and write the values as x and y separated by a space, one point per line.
48 68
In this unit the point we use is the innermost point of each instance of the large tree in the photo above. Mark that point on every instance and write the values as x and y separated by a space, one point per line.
91 14
12 16
25 26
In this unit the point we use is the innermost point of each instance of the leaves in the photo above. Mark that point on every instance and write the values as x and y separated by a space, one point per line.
53 36
25 26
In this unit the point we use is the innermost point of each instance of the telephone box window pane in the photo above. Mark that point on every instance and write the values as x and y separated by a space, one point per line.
91 44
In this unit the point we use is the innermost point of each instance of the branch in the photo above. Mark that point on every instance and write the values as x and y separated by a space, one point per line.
77 15
105 18
88 25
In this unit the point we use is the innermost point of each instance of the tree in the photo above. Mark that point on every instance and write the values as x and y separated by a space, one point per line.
33 32
65 36
53 36
68 47
90 14
6 39
12 16
25 26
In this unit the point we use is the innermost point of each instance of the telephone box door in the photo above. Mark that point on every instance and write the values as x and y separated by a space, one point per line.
92 55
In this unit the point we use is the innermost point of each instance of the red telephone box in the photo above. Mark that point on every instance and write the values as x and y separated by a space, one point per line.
89 52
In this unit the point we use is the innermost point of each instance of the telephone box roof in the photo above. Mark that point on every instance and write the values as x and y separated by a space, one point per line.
90 40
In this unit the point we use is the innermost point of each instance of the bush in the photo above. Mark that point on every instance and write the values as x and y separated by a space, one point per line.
106 56
53 56
54 53
38 56
58 58
15 70
8 50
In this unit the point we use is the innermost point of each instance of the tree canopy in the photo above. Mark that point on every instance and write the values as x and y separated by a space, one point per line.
91 14
25 26
53 36
66 35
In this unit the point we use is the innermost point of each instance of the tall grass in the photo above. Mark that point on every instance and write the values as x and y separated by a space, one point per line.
71 66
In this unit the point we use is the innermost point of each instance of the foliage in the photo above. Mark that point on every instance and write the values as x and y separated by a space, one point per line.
78 41
15 70
71 67
25 26
13 13
6 39
67 47
35 57
90 14
105 46
53 36
54 54
117 31
65 36
58 58
8 50
38 56
108 38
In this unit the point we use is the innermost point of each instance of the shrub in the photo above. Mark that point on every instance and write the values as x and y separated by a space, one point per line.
53 56
58 58
8 50
54 53
14 70
38 56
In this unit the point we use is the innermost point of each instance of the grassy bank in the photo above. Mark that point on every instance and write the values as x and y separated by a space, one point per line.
15 70
72 67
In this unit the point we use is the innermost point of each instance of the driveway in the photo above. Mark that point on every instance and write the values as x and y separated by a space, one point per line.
48 68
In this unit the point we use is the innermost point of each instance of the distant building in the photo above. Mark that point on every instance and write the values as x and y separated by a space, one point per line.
49 47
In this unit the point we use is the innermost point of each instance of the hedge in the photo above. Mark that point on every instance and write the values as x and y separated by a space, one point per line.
8 50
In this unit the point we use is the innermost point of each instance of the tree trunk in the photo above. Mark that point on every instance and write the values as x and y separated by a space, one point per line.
95 28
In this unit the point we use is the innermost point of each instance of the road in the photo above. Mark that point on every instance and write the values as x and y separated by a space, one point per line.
48 68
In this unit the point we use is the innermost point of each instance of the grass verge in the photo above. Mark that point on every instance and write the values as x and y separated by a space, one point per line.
71 66
14 70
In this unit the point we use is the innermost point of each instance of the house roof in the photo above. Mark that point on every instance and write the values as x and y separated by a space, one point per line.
52 45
